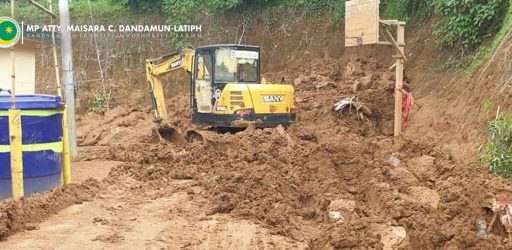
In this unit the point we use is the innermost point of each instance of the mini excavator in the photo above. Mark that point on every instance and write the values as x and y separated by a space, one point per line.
226 89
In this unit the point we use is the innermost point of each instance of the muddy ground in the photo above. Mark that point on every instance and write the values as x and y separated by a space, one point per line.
326 182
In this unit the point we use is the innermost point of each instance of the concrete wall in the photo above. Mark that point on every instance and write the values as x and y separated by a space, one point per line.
25 68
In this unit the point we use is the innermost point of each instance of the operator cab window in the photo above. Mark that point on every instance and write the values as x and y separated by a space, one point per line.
204 66
233 65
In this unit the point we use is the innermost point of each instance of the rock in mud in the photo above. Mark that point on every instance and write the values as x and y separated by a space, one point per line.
342 204
391 237
336 216
394 160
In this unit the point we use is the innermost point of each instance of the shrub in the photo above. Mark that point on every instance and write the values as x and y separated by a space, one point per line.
466 24
101 101
498 151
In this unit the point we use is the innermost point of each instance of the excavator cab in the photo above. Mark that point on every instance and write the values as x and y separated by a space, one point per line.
216 66
225 82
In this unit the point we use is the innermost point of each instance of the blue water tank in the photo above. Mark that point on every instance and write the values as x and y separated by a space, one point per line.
41 121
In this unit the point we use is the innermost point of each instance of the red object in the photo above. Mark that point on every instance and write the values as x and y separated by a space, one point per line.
244 112
293 111
407 106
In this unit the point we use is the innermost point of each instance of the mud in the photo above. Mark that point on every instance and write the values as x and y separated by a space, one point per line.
325 181
24 215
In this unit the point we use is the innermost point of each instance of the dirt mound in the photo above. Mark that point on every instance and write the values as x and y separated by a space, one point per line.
289 181
18 216
322 83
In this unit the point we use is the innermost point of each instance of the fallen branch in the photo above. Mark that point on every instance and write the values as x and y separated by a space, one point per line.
351 102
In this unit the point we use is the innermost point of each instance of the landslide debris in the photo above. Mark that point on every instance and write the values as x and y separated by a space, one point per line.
294 181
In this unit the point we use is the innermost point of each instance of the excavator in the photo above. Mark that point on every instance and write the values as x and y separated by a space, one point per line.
226 89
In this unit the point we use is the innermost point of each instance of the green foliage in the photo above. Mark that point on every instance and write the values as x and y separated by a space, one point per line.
336 7
498 151
101 101
393 9
405 9
487 106
465 24
24 11
101 9
79 9
486 52
180 11
142 5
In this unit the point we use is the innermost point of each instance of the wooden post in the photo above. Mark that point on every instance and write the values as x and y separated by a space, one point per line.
399 77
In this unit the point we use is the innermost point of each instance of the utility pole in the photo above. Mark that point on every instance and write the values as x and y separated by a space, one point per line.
67 75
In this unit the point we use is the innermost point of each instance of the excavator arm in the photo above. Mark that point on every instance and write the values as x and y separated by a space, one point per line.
157 68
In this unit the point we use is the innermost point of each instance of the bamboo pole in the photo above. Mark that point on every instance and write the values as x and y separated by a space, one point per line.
16 150
43 9
55 58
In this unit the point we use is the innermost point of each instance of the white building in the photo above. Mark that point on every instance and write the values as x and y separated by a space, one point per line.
25 60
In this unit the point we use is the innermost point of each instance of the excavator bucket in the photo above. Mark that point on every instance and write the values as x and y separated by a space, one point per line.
194 135
173 135
170 134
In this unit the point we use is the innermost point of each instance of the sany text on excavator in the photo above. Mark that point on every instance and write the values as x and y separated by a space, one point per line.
226 88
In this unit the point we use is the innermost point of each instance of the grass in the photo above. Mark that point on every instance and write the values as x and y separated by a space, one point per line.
485 52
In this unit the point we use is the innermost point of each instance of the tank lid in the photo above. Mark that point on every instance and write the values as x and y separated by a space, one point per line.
32 102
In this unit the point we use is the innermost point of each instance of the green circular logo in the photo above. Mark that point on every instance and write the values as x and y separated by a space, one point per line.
9 32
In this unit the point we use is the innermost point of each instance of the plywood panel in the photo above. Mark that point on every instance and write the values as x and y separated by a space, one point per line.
361 22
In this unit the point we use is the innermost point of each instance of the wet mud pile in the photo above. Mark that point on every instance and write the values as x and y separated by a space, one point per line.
24 215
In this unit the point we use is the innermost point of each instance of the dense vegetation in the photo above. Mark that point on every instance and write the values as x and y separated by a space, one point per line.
460 24
466 24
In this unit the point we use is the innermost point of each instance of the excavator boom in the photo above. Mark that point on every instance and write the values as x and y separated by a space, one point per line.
158 67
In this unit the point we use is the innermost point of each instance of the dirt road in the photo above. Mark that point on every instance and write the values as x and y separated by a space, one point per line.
123 218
